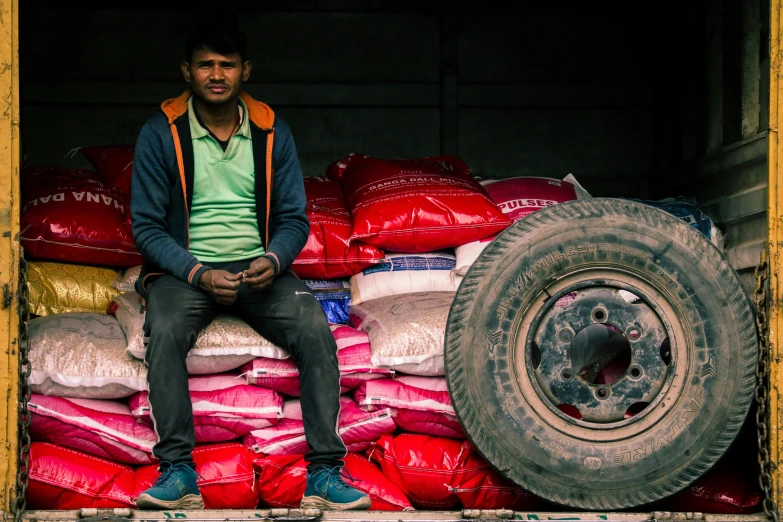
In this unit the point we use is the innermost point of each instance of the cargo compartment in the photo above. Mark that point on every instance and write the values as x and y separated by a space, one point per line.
665 102
671 103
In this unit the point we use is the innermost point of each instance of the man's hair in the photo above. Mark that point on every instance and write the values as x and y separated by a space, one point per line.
217 38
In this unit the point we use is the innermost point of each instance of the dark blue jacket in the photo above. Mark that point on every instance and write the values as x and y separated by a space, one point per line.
162 191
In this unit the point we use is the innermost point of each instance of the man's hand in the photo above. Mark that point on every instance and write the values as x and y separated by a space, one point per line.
222 286
260 274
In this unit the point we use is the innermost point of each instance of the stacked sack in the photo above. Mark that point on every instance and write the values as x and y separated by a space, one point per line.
416 211
75 230
389 242
92 435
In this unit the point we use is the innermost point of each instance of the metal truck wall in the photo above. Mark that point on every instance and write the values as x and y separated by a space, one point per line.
718 122
541 91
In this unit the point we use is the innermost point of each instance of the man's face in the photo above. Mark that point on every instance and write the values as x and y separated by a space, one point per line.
215 78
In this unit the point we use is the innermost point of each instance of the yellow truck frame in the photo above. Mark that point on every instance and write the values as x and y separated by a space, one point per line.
775 247
10 252
10 162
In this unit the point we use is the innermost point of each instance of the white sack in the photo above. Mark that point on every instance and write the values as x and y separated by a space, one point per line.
404 274
82 355
406 331
225 344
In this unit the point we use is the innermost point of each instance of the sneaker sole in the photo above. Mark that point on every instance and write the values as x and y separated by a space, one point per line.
321 503
185 503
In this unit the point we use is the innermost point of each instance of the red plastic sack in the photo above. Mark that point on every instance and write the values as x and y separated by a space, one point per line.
490 490
418 205
728 488
283 479
226 477
62 478
329 253
354 358
336 169
113 163
358 429
442 474
77 221
225 407
102 428
33 177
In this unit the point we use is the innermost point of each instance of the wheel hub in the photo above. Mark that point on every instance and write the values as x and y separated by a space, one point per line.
600 355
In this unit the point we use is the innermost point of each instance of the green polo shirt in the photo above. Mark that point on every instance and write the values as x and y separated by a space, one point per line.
223 222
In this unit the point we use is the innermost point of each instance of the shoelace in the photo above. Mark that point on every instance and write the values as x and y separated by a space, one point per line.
167 476
339 473
164 478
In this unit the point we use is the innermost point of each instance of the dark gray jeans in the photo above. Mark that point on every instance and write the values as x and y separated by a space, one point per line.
286 314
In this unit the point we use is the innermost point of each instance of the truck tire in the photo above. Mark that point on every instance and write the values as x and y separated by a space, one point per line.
531 396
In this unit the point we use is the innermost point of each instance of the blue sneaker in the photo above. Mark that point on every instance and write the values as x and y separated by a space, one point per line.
175 488
326 489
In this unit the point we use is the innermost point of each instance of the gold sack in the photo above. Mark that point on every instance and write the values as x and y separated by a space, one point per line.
57 288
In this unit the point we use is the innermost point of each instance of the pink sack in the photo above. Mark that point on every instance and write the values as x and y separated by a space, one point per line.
354 380
407 392
62 478
54 431
282 376
354 358
222 395
226 476
284 438
354 354
429 423
282 481
210 429
518 198
225 407
279 375
358 429
102 428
